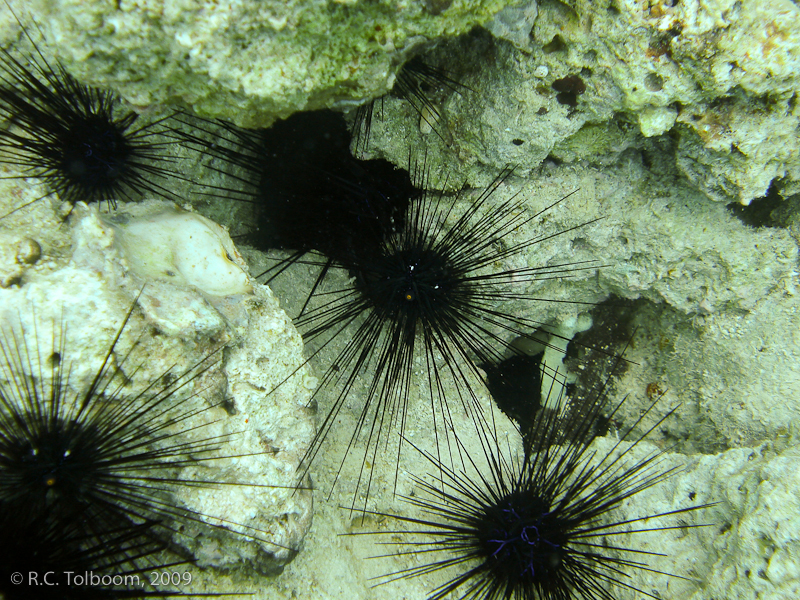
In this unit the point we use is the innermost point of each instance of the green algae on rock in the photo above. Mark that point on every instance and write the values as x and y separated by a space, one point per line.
249 61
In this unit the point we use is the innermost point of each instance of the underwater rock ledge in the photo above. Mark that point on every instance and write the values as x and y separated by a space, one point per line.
248 61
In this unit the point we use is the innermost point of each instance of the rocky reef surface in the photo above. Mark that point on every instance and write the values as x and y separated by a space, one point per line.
675 120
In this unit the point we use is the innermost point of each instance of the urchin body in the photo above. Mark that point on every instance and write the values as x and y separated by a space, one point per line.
93 155
112 462
96 458
75 138
431 291
66 468
417 285
520 540
541 527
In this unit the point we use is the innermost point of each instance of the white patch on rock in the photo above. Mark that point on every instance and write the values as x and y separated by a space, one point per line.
171 244
190 276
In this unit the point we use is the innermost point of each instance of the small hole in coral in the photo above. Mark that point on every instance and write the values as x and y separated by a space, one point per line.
759 213
556 45
569 88
437 7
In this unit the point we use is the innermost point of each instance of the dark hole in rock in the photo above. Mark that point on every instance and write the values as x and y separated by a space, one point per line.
759 213
516 386
569 88
557 44
437 7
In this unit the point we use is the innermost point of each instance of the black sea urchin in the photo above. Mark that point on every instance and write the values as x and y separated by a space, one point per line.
42 559
102 460
540 527
426 281
74 137
429 297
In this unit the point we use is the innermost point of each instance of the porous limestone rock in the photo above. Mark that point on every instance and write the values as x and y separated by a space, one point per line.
732 374
17 253
684 102
514 23
726 349
747 544
31 236
721 77
639 232
711 73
